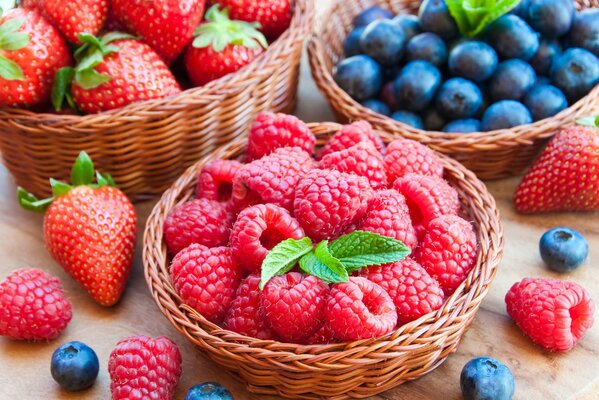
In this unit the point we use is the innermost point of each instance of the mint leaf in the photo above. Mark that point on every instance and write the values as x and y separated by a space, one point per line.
362 249
281 258
589 121
473 16
333 273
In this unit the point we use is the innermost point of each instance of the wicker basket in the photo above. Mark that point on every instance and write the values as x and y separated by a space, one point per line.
490 155
358 369
147 145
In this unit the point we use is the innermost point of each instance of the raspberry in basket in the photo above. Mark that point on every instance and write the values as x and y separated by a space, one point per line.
323 336
350 135
362 159
406 156
215 181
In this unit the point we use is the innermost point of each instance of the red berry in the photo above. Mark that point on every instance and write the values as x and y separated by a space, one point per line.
272 178
329 201
554 314
200 221
295 305
257 230
215 181
362 159
206 279
274 16
141 368
411 288
388 215
406 156
271 131
350 135
33 306
323 336
448 251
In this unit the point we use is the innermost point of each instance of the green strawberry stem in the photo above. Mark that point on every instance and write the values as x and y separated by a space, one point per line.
589 121
10 39
473 16
82 174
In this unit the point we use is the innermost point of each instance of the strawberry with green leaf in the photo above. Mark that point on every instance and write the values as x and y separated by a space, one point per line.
274 16
89 229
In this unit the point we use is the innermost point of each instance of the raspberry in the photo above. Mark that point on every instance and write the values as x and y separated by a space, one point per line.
206 279
33 306
411 288
271 179
388 215
257 230
448 251
271 131
246 314
405 156
329 201
360 309
554 314
350 135
215 181
201 221
295 305
363 159
141 368
323 336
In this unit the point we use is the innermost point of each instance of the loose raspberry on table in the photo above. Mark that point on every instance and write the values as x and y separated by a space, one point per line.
405 156
329 201
350 135
215 181
448 251
271 179
143 368
271 131
202 221
362 159
206 279
257 230
33 306
555 314
388 215
413 291
360 309
295 305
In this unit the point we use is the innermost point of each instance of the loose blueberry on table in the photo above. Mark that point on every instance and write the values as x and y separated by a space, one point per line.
485 378
563 249
75 366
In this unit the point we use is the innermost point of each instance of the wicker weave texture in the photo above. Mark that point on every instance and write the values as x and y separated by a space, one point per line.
338 371
491 155
147 145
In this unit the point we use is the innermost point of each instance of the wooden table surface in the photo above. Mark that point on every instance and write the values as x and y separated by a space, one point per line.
25 367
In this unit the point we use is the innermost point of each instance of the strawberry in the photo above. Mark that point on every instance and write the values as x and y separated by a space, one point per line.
166 25
221 46
564 177
112 72
89 229
274 16
31 51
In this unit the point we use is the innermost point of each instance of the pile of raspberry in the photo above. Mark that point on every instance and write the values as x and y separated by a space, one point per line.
242 210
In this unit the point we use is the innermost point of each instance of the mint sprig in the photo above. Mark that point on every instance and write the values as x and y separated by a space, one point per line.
473 16
322 264
589 121
281 258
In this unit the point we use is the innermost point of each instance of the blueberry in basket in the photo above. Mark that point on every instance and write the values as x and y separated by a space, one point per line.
512 37
435 17
428 47
409 23
384 41
548 52
551 18
351 46
459 98
408 118
584 32
416 85
463 126
512 80
575 72
473 59
505 114
543 101
370 15
360 76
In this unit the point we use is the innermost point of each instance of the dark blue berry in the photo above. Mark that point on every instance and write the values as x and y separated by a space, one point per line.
74 366
548 51
388 96
433 121
512 37
542 80
544 101
428 47
584 32
521 9
208 391
416 85
563 249
575 72
512 80
370 15
359 76
435 17
463 126
377 106
551 18
351 46
408 118
484 378
409 23
459 98
474 60
384 41
505 114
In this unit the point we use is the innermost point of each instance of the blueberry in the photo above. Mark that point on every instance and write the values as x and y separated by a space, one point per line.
521 9
463 126
377 106
545 101
416 85
409 23
433 121
551 18
428 47
511 37
208 391
359 76
434 17
351 46
563 249
408 118
484 378
459 98
548 51
473 60
575 72
74 366
371 14
384 41
388 96
585 30
542 80
505 114
512 79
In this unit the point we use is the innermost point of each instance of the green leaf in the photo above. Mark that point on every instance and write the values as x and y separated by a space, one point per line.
104 179
312 265
114 36
90 78
10 70
589 121
281 258
14 41
361 249
90 39
83 170
473 16
11 26
90 60
62 86
59 188
31 203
